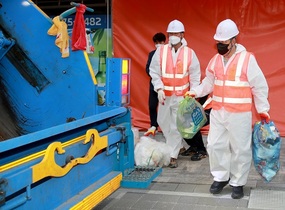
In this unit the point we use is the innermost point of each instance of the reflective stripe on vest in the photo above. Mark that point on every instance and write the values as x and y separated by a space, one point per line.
175 78
231 89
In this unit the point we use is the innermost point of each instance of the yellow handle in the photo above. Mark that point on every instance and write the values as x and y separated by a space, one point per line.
48 167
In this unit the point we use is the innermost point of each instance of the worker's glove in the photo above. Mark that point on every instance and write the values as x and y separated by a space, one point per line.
150 131
161 96
190 93
264 116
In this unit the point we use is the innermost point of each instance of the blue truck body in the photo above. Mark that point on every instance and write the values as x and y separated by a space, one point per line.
59 149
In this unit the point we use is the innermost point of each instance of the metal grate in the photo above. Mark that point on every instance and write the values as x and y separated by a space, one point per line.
140 176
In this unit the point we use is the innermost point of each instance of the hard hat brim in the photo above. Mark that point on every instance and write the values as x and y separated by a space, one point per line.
175 31
224 39
219 39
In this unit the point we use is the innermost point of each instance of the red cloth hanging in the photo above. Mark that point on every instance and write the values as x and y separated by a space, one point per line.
78 39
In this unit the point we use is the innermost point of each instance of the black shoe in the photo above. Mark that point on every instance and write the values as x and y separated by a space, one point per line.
237 192
199 155
217 187
190 151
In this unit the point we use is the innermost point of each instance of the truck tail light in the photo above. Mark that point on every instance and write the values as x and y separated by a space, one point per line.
125 81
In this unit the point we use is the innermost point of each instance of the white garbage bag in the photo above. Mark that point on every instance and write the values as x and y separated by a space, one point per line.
149 152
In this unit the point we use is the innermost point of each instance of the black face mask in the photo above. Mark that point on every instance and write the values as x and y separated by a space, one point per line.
222 48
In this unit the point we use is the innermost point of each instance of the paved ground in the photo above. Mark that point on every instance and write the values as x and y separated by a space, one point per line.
187 187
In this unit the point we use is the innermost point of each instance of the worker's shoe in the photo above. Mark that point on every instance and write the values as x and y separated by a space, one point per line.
217 187
150 131
182 150
189 152
237 192
173 163
199 155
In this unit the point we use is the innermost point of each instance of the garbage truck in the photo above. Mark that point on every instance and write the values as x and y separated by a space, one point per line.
59 147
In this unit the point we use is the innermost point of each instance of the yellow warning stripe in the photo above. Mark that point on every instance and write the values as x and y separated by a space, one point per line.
99 195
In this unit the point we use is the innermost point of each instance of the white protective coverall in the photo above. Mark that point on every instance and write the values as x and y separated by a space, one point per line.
166 116
229 138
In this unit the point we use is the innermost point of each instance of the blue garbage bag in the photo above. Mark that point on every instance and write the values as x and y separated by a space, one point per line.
190 117
266 149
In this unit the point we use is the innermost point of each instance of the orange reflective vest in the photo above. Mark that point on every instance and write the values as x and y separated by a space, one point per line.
231 89
176 78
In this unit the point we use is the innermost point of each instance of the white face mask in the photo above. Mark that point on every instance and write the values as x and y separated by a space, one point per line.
158 45
174 40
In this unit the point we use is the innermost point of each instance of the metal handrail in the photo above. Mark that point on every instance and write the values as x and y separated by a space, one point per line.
73 10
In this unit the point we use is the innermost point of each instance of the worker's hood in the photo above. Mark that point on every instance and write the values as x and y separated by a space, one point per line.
239 48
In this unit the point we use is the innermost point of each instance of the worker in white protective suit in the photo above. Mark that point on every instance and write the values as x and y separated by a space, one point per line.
235 79
174 69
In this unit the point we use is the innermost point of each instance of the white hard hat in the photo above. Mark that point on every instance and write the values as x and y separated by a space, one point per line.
175 26
226 30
